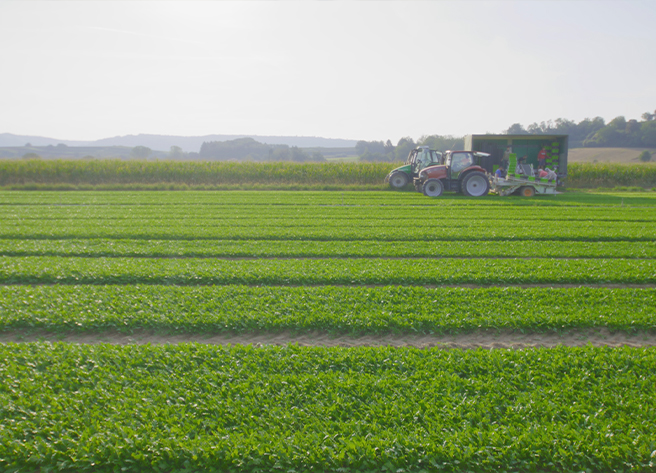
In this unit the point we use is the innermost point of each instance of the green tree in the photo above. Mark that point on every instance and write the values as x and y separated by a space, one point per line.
317 157
281 154
140 152
645 156
618 123
516 129
403 148
632 133
648 133
297 154
176 153
375 147
361 147
442 143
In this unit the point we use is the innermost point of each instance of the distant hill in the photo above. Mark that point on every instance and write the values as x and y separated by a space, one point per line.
164 142
72 152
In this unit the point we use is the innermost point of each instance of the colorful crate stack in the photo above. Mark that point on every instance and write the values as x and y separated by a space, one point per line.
512 164
553 155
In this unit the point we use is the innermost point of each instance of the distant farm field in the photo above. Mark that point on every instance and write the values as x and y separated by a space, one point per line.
138 332
608 155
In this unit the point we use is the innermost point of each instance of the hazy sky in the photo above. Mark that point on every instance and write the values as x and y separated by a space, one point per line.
360 70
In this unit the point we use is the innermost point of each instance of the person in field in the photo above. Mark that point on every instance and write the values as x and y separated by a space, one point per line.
542 158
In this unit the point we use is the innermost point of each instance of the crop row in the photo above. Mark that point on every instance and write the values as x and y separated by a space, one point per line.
354 310
221 173
294 218
340 214
307 199
611 174
189 172
429 232
73 270
191 407
267 222
337 249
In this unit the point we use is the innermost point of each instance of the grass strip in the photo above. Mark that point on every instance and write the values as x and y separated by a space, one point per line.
355 310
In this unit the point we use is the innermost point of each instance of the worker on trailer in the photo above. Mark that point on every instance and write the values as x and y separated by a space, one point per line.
542 158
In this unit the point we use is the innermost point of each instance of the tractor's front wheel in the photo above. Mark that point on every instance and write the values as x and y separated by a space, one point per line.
398 180
433 188
475 184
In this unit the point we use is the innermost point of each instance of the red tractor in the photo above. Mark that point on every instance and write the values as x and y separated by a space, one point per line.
461 172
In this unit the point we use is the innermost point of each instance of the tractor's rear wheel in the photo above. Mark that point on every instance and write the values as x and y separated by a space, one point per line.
398 180
475 184
433 188
526 191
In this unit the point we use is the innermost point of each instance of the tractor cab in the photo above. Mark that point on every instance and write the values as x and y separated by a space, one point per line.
418 159
422 157
458 161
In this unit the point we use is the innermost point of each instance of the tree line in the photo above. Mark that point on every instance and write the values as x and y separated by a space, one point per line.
589 133
387 152
247 149
596 133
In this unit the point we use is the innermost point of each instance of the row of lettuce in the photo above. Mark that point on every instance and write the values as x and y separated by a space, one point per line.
422 232
354 310
39 174
191 407
195 407
335 217
255 199
333 214
344 271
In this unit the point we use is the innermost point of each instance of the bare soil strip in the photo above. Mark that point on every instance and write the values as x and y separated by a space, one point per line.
478 339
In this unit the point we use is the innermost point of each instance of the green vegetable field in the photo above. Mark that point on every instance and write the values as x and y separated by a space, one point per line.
306 264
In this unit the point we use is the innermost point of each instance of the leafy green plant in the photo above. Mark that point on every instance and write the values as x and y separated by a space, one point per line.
191 271
355 310
244 409
325 249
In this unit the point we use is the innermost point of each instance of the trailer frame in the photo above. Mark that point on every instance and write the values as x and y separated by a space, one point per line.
526 186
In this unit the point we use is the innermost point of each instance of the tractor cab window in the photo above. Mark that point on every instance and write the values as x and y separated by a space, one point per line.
436 158
423 159
460 161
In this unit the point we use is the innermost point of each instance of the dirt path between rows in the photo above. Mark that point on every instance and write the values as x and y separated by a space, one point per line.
478 339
